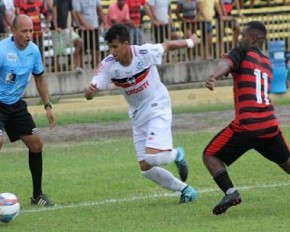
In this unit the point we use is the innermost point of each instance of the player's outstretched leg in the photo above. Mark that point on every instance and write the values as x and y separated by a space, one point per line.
228 201
181 164
188 194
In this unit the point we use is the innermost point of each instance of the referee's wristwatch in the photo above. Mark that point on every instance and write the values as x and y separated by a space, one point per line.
47 105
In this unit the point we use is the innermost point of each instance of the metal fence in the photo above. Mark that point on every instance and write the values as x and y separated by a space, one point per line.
58 49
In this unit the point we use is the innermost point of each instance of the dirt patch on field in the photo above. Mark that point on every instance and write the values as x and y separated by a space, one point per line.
209 121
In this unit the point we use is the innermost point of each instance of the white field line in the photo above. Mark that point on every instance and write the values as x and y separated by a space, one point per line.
120 200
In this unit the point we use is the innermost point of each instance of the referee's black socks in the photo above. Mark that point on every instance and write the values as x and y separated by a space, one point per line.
35 166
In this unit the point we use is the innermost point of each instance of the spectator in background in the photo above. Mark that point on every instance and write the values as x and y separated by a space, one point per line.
160 13
48 4
63 36
187 12
5 19
227 7
207 13
90 16
135 7
34 9
118 13
17 3
9 4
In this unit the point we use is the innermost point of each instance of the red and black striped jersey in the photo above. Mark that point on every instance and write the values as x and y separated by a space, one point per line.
34 11
254 112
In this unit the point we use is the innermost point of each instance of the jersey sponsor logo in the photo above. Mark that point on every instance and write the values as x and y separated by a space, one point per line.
143 51
11 56
108 59
139 89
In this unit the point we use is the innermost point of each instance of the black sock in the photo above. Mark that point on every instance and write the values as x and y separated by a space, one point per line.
223 180
35 166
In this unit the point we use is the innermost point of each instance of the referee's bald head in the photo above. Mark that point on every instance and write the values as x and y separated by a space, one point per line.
21 18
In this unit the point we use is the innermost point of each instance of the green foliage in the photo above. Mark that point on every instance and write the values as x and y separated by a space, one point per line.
97 186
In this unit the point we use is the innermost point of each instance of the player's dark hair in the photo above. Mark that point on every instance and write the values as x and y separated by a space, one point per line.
259 27
119 32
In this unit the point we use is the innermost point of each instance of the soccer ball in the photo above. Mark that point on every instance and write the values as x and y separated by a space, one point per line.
9 207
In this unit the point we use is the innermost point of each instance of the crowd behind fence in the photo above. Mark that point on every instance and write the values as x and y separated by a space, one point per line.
62 60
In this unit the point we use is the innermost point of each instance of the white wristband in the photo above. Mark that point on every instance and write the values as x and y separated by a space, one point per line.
190 43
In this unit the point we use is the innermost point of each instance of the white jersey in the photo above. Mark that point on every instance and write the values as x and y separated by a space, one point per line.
139 82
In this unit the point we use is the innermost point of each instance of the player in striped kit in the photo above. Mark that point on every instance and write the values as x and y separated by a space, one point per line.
133 69
255 125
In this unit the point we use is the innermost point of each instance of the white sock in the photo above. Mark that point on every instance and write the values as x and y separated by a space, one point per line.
161 158
230 190
164 178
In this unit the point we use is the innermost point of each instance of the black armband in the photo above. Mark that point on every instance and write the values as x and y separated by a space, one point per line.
47 105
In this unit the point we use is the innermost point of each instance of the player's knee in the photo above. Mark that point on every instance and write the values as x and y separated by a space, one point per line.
144 166
161 158
35 147
286 166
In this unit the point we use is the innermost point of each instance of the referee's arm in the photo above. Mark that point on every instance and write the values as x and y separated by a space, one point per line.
42 89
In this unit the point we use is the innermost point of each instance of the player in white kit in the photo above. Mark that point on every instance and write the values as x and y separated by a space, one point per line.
133 70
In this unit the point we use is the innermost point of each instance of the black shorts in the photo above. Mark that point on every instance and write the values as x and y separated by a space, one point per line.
16 120
228 146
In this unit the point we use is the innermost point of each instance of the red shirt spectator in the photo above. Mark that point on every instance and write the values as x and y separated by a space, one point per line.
118 12
34 9
135 10
17 4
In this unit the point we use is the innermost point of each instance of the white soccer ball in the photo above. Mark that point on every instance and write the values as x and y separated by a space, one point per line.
9 207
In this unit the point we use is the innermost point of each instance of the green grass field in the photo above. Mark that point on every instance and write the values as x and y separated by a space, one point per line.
96 186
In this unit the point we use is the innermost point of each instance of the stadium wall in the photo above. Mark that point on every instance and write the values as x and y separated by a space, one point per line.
176 75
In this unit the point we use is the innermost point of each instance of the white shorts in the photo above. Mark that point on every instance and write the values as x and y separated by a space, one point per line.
155 133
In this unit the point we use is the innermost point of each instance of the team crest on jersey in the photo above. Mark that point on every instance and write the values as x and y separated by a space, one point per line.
139 65
143 51
130 80
117 73
11 56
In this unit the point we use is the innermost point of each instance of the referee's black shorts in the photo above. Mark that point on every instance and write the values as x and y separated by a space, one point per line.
16 120
228 146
